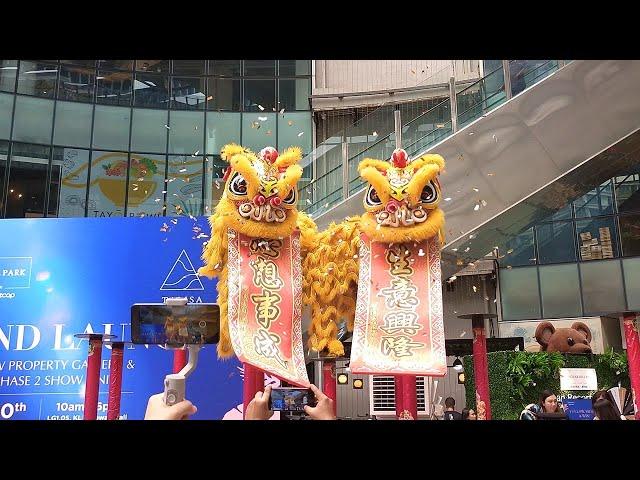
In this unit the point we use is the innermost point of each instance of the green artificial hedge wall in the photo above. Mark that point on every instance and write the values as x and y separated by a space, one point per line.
506 403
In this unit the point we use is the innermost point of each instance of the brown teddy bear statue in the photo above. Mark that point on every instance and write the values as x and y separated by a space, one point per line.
566 340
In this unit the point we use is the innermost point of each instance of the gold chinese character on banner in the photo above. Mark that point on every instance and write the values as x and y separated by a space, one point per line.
399 346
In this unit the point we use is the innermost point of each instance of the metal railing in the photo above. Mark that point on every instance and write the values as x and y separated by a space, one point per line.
463 106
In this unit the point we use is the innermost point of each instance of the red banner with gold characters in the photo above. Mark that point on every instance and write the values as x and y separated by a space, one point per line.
265 304
398 327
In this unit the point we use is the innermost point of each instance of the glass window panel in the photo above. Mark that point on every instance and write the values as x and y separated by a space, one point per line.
224 68
597 238
76 83
111 127
258 130
562 214
27 180
294 67
259 93
33 120
114 88
260 68
555 242
184 191
214 185
630 235
598 201
189 67
294 129
151 90
149 130
115 64
222 128
155 66
223 94
632 282
628 193
107 184
67 198
187 132
188 93
519 293
4 153
73 124
6 114
81 63
560 289
602 290
146 185
8 71
37 78
294 94
519 250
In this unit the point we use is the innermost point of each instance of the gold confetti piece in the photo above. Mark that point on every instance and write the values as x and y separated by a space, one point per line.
476 208
472 236
268 132
508 267
289 123
464 332
196 127
471 264
261 107
467 249
475 189
475 289
483 202
174 221
167 127
510 251
182 170
262 119
421 253
490 174
300 134
157 200
454 249
375 134
135 187
448 199
309 201
281 111
197 152
164 191
452 278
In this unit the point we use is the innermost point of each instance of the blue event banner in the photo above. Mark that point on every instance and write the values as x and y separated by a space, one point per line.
59 277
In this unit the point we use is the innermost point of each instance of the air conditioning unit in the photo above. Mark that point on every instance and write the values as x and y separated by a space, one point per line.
382 400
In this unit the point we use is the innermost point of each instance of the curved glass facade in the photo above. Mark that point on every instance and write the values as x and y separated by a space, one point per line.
104 138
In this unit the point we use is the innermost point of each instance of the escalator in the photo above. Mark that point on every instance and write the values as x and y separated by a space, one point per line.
513 161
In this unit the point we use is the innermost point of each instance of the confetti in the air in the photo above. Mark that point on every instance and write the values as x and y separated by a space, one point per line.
290 123
421 253
448 199
475 289
262 119
167 127
300 134
261 107
467 249
475 189
463 333
476 208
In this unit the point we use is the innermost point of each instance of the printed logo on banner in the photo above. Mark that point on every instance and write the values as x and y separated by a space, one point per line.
15 272
182 276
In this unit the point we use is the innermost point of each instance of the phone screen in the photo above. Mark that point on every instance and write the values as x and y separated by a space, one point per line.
291 399
160 324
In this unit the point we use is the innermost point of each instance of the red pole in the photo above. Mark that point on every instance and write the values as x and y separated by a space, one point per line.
399 395
249 385
633 358
93 378
481 368
409 397
179 359
115 380
259 379
329 382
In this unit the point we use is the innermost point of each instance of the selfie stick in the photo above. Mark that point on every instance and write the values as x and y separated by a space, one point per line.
93 372
175 383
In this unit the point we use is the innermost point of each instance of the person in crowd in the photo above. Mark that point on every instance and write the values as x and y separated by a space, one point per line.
469 414
450 409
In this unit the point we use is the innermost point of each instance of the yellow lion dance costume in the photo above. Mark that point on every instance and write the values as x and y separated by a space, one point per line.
259 200
401 205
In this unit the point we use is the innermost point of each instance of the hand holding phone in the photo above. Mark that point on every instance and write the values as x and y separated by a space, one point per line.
290 399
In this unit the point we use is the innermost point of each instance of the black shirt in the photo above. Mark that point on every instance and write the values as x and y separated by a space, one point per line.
452 415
